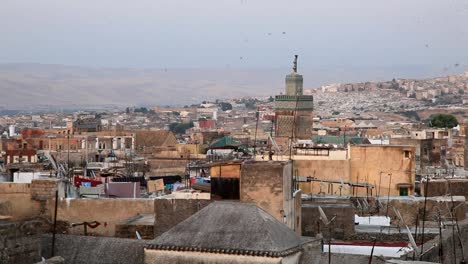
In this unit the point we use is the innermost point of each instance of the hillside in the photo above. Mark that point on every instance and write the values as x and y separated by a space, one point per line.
36 85
41 86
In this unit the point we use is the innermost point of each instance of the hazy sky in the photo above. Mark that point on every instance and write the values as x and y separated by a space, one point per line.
235 33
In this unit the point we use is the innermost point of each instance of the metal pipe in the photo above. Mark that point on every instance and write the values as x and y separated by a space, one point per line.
372 251
55 224
388 196
416 234
441 250
452 211
257 115
426 190
329 243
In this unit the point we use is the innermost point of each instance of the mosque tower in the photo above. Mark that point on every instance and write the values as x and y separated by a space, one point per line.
293 110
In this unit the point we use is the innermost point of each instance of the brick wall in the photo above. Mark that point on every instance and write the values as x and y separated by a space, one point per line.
43 189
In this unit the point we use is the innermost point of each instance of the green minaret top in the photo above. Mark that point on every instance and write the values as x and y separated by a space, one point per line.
294 81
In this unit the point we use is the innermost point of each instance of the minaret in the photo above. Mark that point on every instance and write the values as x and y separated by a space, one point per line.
293 110
294 81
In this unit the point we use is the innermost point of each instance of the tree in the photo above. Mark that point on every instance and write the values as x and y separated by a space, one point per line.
225 106
271 99
250 103
179 128
443 121
141 110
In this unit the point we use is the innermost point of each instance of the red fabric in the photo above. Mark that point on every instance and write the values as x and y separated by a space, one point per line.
77 180
192 180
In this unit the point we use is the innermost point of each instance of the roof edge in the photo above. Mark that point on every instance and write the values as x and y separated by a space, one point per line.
255 253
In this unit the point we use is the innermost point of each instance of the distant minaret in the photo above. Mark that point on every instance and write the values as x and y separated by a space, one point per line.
294 81
293 110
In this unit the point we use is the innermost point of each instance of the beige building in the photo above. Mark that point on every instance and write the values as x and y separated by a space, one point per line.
368 170
269 185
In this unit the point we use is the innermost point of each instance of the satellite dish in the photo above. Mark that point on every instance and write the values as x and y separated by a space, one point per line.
358 204
410 236
366 204
411 239
380 205
323 216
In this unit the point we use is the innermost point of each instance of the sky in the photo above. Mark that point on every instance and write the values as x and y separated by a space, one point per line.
347 34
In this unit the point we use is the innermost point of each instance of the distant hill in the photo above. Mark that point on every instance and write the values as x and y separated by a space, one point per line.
33 86
37 85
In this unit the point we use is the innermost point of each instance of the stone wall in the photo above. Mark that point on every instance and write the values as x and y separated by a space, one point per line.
450 252
167 166
15 201
337 170
412 208
444 187
380 166
170 212
262 183
320 258
95 250
108 212
129 231
143 224
19 242
44 189
383 166
28 201
343 225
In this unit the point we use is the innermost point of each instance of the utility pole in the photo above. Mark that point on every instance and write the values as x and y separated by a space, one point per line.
426 190
270 154
68 163
257 114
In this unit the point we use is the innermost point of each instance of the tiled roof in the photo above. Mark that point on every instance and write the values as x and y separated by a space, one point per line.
231 228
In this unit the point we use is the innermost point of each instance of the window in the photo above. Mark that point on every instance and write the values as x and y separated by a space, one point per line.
407 154
425 152
403 191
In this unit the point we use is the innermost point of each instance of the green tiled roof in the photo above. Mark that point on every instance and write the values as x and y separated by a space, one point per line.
226 141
